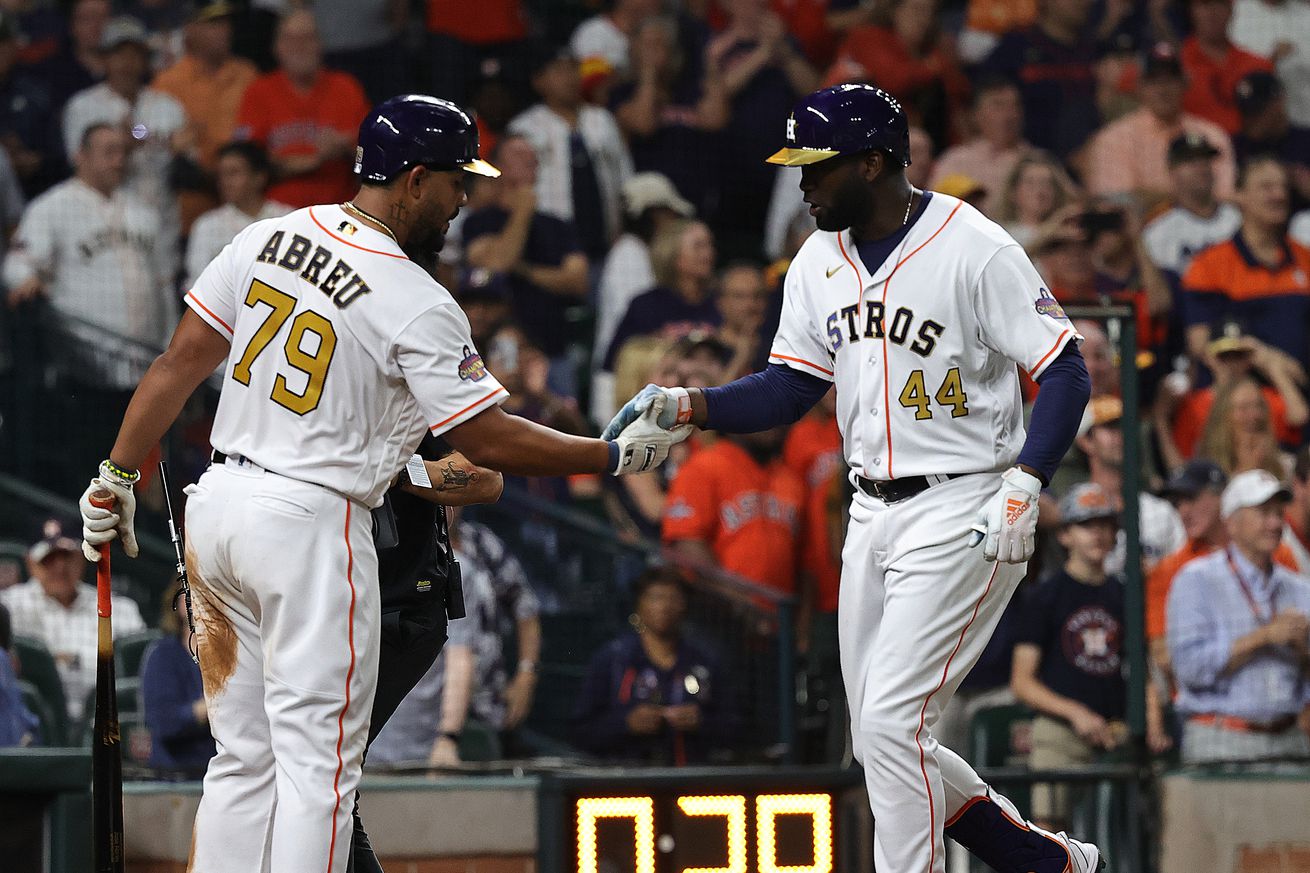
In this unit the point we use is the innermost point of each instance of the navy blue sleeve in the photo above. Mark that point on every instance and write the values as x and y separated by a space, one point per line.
1058 410
779 395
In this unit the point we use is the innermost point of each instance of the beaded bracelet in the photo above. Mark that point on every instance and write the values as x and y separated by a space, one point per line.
126 477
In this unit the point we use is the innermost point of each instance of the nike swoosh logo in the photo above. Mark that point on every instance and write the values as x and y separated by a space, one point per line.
835 269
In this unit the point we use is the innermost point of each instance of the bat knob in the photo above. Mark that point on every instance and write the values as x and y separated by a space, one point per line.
103 499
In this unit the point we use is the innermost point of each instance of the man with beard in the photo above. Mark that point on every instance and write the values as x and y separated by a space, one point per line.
918 308
342 352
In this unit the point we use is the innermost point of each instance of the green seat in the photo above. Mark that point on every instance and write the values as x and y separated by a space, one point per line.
997 734
999 737
129 651
128 693
479 742
37 666
552 705
47 724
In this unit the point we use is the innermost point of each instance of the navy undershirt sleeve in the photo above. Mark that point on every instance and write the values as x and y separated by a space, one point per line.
1057 411
776 396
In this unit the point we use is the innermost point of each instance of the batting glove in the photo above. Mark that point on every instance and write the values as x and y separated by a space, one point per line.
1007 522
644 444
677 410
101 525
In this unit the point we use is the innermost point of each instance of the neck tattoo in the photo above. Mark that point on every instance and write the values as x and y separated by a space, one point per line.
352 208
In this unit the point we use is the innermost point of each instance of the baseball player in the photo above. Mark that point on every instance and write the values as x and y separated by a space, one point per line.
341 353
918 308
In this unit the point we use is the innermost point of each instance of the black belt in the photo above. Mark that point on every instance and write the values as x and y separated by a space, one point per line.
217 457
896 490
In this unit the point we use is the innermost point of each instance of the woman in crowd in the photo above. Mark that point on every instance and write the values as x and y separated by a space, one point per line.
1036 199
1239 432
682 256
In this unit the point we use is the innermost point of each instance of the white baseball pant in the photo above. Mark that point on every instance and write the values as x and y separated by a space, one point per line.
917 606
285 583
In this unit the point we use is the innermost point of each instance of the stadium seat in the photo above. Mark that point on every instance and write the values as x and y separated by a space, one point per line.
993 733
479 742
998 737
37 666
47 724
129 651
129 706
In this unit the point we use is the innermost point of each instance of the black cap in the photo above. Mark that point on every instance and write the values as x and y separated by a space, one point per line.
1189 147
1162 61
1256 91
480 284
1196 476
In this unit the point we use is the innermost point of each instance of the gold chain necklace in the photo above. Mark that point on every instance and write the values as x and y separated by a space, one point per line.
352 208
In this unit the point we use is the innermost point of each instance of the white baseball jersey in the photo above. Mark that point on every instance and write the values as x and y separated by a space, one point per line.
153 119
1175 237
218 227
102 264
923 350
343 352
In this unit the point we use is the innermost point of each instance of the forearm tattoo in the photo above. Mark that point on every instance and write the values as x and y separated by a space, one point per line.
455 478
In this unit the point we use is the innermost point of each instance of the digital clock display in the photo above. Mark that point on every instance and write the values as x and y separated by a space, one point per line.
685 823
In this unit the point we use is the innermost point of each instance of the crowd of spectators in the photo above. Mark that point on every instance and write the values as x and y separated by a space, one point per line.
1155 155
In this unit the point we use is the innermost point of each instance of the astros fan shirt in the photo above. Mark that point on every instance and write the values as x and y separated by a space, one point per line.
343 352
923 348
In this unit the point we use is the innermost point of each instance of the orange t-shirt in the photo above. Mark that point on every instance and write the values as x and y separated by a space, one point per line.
287 122
813 449
1212 85
1162 576
1189 419
211 100
493 21
749 515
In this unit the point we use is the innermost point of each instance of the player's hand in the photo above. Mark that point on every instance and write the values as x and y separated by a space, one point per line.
1006 524
685 717
677 409
518 698
25 291
101 525
645 719
445 753
644 444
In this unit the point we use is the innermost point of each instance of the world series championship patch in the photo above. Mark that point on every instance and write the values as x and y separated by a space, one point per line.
471 369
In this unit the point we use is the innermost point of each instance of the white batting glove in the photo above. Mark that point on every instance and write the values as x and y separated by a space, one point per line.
1007 522
101 525
676 410
644 444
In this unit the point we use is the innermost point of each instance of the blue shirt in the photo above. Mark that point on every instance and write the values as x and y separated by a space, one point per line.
1208 610
170 687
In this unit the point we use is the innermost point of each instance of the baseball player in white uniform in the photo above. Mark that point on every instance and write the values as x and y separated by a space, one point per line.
343 352
918 308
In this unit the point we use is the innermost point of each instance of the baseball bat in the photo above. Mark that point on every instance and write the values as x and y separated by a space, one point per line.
106 743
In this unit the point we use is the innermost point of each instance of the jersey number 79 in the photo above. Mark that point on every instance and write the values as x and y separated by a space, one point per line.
314 364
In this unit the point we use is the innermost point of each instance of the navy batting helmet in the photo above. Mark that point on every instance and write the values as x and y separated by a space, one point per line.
413 130
844 120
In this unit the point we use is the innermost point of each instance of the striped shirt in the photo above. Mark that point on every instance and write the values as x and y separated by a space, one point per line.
69 632
1216 600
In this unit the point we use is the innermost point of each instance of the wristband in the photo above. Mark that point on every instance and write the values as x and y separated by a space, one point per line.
121 475
453 736
526 666
682 397
614 456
